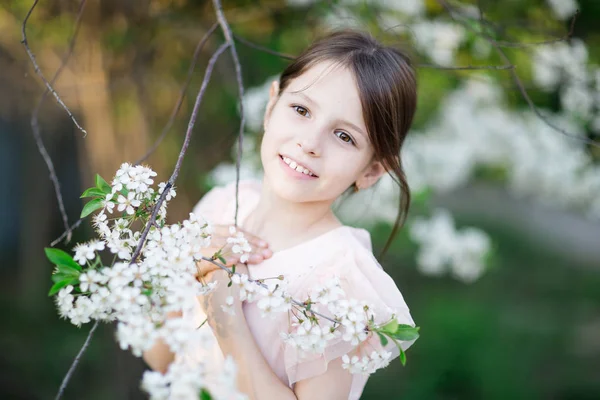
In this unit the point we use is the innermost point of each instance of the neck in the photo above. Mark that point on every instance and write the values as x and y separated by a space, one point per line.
283 223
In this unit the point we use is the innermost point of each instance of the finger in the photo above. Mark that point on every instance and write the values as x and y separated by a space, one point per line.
255 259
223 230
266 253
253 239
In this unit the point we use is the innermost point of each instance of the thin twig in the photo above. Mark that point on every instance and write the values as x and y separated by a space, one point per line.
564 38
263 285
67 232
262 48
238 73
39 72
468 67
186 142
515 76
35 127
182 92
76 361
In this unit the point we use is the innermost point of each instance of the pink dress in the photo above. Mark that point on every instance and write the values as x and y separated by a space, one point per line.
345 252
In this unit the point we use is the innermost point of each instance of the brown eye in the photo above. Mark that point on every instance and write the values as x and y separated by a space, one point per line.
302 110
345 137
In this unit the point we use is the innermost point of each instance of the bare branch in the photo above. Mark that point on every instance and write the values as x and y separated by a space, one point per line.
461 19
545 42
182 91
261 284
186 142
67 232
433 66
37 132
468 67
39 72
238 72
76 361
262 48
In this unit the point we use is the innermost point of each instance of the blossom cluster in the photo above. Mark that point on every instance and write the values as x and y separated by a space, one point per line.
443 248
327 316
147 291
144 293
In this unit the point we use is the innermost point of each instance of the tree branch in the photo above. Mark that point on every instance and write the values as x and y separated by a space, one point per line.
468 67
261 284
39 72
36 128
262 48
76 361
186 142
238 73
182 91
461 20
564 38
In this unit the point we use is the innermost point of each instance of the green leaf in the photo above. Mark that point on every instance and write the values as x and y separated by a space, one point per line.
406 332
102 184
391 326
402 357
61 276
90 207
93 192
223 261
59 285
205 395
230 283
61 259
382 339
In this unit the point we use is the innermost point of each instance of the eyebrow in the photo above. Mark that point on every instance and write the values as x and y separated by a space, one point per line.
350 124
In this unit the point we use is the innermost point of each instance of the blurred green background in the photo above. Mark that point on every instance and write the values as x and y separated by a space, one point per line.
528 329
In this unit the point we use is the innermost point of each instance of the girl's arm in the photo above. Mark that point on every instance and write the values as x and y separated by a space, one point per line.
159 357
255 377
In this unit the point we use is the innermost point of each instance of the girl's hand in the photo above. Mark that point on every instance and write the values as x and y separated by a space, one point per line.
259 250
223 304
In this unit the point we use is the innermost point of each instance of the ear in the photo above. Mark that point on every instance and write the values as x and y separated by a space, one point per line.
371 175
273 96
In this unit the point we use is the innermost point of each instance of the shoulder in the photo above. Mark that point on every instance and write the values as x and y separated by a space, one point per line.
351 261
350 266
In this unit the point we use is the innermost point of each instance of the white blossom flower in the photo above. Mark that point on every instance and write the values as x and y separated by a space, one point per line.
563 9
64 301
443 247
108 205
161 188
248 290
128 203
86 251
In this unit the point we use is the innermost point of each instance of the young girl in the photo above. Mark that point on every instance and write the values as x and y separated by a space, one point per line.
335 121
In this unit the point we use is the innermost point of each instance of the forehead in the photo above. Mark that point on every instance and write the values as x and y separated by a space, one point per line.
333 87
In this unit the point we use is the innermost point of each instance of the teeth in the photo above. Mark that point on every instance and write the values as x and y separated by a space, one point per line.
297 167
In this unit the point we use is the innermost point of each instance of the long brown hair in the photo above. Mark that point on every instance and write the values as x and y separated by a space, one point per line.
388 92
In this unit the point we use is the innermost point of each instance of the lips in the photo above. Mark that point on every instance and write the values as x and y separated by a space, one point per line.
283 156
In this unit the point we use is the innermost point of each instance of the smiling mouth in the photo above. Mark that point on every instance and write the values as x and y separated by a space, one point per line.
296 167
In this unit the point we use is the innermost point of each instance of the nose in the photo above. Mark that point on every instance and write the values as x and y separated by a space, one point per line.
309 143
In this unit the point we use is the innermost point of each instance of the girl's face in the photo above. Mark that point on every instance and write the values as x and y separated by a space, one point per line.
322 129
